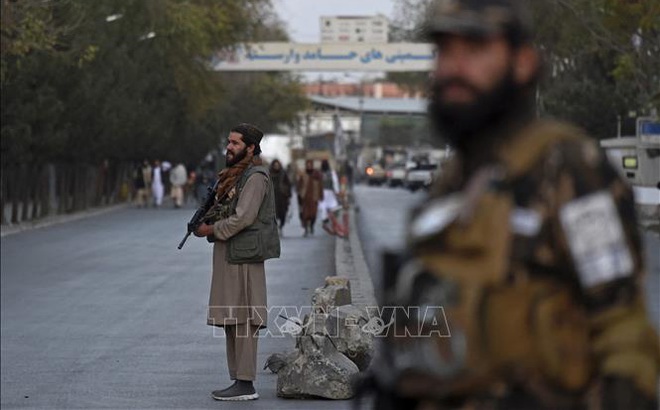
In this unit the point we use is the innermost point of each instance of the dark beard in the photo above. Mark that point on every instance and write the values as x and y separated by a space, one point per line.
465 125
237 158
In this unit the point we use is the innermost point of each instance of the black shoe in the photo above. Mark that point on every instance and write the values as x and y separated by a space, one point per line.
241 390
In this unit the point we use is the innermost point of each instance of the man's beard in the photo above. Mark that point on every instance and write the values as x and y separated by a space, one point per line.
463 123
236 158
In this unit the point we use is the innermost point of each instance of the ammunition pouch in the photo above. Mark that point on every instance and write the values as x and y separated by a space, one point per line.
453 339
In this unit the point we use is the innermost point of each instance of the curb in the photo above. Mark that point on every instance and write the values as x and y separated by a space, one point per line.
58 219
350 263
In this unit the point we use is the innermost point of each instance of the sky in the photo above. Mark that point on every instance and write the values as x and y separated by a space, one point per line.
302 20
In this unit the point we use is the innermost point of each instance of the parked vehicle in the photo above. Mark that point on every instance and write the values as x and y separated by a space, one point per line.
396 174
420 176
375 174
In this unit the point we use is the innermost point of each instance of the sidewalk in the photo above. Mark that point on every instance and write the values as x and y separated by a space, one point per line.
350 263
59 219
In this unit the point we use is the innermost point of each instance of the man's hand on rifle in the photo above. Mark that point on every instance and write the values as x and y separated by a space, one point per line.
204 230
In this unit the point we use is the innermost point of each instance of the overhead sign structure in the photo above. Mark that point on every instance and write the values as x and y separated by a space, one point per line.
326 57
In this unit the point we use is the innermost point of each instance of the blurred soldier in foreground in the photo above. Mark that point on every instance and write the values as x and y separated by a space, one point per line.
242 225
522 283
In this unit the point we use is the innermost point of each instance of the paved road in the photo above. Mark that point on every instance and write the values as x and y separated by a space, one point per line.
106 313
383 216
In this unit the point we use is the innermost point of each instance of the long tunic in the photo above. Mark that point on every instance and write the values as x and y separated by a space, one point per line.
282 191
310 192
238 291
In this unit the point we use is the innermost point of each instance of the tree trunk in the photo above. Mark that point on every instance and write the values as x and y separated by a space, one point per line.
77 177
45 194
15 193
25 192
68 187
110 184
96 185
3 194
60 175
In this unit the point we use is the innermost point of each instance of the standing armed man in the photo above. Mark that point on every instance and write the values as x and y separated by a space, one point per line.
525 263
243 228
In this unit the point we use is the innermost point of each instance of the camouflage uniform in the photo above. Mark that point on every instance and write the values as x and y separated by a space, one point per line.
529 259
549 219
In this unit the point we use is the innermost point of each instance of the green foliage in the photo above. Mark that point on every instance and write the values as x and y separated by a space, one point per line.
602 58
129 79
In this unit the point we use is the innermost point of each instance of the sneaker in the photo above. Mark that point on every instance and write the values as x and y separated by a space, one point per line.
241 390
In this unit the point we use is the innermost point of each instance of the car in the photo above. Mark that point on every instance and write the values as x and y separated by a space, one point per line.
396 174
375 174
420 176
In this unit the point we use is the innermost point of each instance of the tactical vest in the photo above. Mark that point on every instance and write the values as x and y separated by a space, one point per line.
261 240
492 326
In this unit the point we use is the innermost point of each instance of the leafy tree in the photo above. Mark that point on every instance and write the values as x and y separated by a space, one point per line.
130 79
602 58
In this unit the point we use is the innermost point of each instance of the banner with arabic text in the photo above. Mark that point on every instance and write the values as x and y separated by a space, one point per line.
326 57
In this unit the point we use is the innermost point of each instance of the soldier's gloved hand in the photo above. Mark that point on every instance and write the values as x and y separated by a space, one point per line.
621 393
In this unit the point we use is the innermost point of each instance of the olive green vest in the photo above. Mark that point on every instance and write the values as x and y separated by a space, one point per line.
261 240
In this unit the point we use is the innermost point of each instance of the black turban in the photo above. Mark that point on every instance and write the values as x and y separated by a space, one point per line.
251 135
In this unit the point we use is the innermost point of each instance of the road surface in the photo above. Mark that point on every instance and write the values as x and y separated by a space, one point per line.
105 312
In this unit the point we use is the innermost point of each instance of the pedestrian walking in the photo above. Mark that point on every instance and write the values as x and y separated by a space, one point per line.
166 168
528 244
282 189
329 206
242 226
178 179
310 192
157 188
189 189
141 182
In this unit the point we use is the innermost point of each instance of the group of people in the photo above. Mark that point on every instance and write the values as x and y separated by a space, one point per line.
318 192
152 181
319 195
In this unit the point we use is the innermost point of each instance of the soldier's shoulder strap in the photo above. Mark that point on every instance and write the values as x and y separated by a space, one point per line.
527 147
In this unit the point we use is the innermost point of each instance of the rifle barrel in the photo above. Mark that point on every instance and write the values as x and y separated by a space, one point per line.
185 238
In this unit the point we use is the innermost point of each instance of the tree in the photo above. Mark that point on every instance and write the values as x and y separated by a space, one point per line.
602 58
85 83
128 79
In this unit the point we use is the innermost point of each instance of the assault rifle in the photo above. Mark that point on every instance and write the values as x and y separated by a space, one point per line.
199 215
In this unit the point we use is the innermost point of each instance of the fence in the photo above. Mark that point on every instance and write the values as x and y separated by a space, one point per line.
33 191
